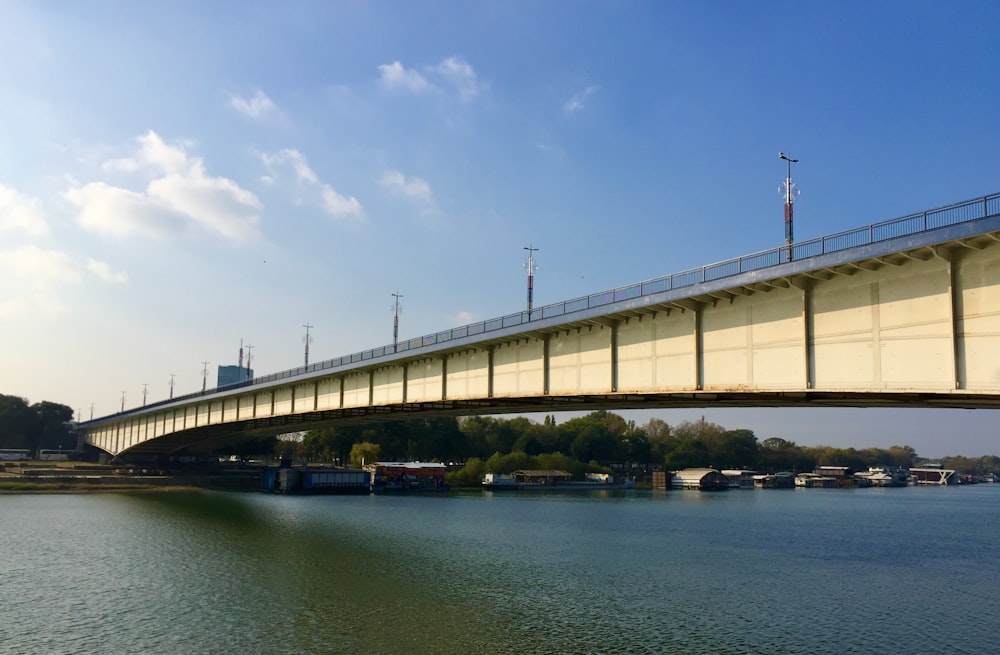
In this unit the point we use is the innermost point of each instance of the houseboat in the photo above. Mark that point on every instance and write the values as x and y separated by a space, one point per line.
815 481
739 478
407 476
780 480
701 479
933 474
315 480
551 479
882 476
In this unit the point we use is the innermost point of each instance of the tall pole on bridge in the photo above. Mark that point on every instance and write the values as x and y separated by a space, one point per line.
123 401
395 319
171 385
249 350
790 191
307 327
145 386
530 265
204 376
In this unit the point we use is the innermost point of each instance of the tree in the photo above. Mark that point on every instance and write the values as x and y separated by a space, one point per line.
54 426
364 453
18 423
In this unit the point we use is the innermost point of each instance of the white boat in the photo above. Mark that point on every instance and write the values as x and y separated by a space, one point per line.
881 476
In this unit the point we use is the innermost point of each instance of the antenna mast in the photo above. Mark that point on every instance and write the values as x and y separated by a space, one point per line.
395 319
791 192
530 265
307 327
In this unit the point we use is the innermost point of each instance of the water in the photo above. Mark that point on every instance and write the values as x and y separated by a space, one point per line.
804 571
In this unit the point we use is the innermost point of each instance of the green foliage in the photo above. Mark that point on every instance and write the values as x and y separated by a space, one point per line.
364 453
42 425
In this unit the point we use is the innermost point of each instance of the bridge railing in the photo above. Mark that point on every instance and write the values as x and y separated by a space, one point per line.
961 212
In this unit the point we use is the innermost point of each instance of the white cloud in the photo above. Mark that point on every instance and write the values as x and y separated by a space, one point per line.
255 107
103 271
20 213
296 160
453 71
461 75
395 76
337 205
412 187
40 267
324 195
38 273
462 318
179 196
576 103
40 277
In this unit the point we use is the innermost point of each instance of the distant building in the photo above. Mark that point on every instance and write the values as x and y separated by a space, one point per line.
233 374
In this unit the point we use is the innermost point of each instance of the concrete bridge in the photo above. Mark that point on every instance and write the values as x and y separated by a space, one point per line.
900 313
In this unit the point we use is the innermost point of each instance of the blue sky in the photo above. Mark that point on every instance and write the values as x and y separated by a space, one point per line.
176 177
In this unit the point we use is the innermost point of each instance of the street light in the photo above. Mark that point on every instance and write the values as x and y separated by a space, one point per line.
790 191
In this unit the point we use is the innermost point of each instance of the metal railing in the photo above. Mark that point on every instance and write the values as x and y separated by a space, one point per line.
962 212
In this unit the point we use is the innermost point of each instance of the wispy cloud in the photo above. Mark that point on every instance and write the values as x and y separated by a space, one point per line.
38 274
103 271
180 196
462 318
460 75
414 188
311 189
452 72
576 103
254 107
20 213
395 76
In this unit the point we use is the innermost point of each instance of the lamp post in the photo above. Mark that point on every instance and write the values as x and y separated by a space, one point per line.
790 192
123 401
145 386
171 385
204 376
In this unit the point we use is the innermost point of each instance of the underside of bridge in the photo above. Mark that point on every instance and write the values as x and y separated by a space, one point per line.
211 438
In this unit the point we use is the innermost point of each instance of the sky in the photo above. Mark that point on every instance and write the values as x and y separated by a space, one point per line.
180 177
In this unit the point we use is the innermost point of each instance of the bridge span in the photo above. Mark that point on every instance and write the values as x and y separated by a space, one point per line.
904 312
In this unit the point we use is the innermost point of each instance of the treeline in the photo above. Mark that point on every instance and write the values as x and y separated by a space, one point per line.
602 438
41 425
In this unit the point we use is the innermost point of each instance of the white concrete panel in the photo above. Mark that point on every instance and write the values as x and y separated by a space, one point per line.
229 409
580 361
246 407
305 397
423 380
282 401
915 327
356 389
203 414
726 345
262 403
518 369
387 385
657 352
468 375
843 328
329 394
778 340
157 421
978 283
215 412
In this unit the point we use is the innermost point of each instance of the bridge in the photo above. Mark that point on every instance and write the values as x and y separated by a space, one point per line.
904 312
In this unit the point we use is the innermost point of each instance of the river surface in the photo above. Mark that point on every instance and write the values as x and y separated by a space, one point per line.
798 571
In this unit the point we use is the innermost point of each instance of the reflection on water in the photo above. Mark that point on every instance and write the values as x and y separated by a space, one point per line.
814 571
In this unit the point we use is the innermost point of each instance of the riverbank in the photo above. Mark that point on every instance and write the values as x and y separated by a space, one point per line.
84 477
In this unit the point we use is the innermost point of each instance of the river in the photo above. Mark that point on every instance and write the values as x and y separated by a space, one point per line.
777 571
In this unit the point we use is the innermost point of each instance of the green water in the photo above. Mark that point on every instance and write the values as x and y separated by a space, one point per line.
804 571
